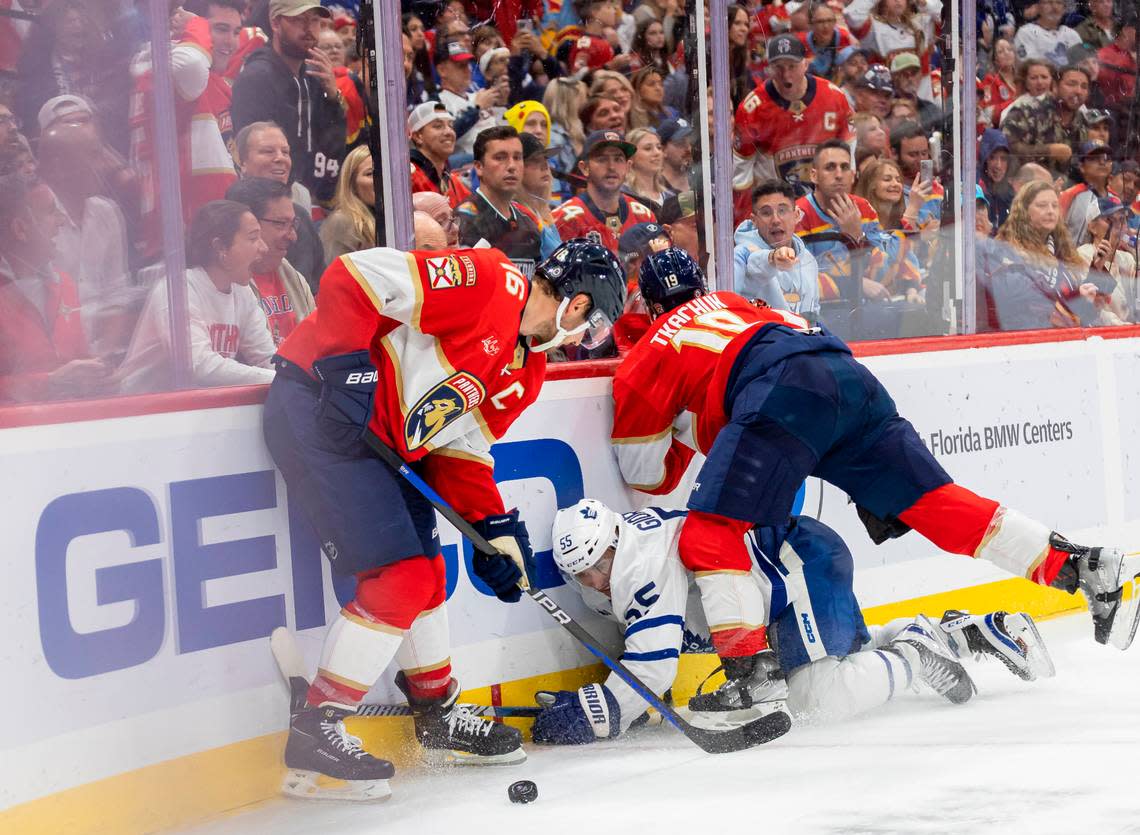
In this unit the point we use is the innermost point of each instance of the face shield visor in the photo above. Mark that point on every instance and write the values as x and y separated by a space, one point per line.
596 329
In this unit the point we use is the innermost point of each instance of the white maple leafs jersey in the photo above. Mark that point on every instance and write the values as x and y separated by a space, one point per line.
656 600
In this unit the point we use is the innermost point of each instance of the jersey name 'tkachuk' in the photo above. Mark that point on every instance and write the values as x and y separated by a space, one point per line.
682 364
442 329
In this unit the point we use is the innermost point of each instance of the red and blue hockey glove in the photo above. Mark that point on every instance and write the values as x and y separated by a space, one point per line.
576 717
503 574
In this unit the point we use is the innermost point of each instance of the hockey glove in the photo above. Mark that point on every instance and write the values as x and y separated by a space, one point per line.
576 717
348 383
508 534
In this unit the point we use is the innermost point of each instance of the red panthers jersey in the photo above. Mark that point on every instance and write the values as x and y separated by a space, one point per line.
442 329
578 217
790 131
681 364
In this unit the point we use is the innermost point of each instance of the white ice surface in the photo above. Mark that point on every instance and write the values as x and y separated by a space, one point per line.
1053 756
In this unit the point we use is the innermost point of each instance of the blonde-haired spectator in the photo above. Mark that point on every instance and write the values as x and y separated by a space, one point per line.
352 225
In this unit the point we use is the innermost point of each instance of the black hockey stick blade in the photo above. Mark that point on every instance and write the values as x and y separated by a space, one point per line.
757 732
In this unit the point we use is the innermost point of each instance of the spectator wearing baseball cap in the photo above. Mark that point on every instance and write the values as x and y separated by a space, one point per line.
1080 205
850 64
1112 268
68 109
293 83
906 75
537 192
433 142
472 112
873 91
1098 125
601 210
676 137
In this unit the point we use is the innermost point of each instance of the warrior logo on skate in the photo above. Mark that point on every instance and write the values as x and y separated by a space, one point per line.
447 402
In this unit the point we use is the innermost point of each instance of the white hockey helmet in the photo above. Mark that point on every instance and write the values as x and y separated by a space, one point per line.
583 533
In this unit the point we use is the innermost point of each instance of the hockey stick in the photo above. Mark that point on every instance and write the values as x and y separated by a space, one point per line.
756 732
292 668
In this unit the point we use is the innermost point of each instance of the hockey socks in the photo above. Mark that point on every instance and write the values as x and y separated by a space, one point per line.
357 649
712 547
962 522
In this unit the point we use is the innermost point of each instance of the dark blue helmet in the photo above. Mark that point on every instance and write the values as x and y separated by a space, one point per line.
668 279
582 265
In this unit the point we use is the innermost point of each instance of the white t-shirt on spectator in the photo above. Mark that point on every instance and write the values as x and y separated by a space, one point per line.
230 343
92 249
1052 45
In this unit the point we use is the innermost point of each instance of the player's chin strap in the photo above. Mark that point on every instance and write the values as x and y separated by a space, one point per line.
561 335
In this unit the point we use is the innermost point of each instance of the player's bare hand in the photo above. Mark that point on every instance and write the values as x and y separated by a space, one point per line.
178 20
875 291
319 66
783 258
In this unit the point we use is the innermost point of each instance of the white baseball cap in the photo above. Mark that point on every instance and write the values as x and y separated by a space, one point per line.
426 113
61 106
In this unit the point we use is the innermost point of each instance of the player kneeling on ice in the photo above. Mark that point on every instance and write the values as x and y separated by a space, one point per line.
433 354
825 663
771 400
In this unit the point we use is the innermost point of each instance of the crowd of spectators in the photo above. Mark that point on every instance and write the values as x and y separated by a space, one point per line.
536 121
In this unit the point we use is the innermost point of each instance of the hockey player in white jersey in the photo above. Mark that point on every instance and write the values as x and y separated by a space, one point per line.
824 662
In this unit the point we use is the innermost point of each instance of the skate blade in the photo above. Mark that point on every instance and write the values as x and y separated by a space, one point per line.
310 785
452 757
727 720
1127 615
1040 663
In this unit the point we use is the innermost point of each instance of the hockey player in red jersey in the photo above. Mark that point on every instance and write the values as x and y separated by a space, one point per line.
780 123
773 401
601 210
435 354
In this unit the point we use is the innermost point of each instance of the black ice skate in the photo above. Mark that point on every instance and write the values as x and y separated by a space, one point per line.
326 762
754 689
1113 593
1011 638
924 646
452 735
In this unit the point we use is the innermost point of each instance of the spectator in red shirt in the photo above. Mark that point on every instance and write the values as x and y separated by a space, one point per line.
43 350
1001 85
282 291
1118 65
432 134
602 210
592 50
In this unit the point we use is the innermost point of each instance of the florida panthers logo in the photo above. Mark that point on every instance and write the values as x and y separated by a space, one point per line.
446 402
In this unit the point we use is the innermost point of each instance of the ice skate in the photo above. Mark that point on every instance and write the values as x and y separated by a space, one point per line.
452 735
1112 591
754 689
326 762
1011 638
925 647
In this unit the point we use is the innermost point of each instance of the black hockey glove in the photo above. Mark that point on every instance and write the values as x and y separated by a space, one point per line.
503 574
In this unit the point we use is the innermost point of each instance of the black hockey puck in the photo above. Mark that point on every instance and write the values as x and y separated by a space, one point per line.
524 791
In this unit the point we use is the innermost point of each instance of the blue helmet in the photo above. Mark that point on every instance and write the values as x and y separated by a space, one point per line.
668 279
582 265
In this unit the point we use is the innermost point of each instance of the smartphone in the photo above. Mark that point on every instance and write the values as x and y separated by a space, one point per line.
525 24
926 171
